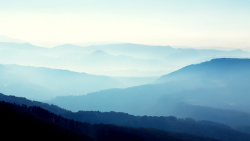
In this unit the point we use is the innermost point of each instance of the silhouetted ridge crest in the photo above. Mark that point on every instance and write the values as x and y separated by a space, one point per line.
170 123
32 122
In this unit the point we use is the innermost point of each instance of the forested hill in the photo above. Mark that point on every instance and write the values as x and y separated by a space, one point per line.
223 70
172 124
29 123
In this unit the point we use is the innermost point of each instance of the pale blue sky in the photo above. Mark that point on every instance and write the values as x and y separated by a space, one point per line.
220 23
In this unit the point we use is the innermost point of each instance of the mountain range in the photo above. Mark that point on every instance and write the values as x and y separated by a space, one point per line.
40 83
111 60
211 88
145 92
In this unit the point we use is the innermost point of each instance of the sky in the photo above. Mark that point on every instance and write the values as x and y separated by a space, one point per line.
196 23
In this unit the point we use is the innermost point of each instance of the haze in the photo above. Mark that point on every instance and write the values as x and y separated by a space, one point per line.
196 23
104 70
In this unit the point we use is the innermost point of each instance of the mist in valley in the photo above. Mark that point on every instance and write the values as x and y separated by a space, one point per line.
125 70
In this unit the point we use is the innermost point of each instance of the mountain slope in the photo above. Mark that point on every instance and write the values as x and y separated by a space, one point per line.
222 83
223 69
44 83
32 122
172 124
219 83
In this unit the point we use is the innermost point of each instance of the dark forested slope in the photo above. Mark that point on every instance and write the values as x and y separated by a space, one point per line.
23 123
172 124
30 123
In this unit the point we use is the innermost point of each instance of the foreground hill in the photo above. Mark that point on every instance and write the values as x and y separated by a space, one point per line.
34 123
218 85
28 123
170 124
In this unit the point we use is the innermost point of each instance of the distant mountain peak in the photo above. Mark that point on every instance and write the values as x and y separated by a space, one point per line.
99 53
67 46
